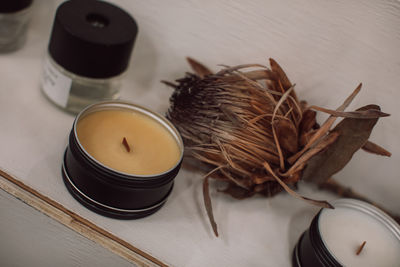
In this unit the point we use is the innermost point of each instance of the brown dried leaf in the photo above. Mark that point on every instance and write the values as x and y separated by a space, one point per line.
361 114
322 145
308 121
375 149
326 125
198 68
353 133
208 205
277 69
287 135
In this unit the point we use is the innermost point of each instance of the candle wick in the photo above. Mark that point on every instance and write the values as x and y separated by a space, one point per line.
126 145
361 248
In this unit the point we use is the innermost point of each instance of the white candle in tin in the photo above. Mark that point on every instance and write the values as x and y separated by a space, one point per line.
344 229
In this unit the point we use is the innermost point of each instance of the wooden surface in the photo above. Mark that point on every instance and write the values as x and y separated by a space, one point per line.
35 233
28 219
326 47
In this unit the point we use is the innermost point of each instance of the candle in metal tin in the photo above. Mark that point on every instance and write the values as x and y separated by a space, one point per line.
14 21
353 234
122 159
88 53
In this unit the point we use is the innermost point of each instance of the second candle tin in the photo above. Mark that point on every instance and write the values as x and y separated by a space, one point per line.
111 192
313 248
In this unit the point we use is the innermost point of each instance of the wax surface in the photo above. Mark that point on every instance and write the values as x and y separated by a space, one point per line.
153 148
344 230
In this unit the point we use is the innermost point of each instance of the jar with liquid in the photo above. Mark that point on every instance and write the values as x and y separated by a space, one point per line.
14 21
88 53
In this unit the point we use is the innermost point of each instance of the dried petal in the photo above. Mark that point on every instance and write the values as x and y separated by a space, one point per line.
360 114
287 135
198 68
276 68
308 121
375 149
326 126
353 135
321 146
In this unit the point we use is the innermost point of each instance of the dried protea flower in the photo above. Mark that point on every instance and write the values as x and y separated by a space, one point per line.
247 124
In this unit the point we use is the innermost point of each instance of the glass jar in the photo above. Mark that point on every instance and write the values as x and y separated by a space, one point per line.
89 51
14 21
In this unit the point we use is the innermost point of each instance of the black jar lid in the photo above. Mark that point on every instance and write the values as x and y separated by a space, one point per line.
10 6
92 38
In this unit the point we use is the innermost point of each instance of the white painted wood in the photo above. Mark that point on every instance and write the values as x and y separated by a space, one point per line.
27 214
326 47
31 238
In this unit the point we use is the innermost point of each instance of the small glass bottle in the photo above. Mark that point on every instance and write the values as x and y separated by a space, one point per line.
14 20
88 53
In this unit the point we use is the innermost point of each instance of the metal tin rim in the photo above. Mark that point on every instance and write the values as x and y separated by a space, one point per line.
296 258
368 209
90 200
130 106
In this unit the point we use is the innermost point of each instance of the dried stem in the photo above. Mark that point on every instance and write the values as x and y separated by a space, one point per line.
207 203
320 203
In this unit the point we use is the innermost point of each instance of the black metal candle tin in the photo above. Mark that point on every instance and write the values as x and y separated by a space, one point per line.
110 192
310 251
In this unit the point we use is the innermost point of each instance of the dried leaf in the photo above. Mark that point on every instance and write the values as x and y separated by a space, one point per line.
208 205
308 121
169 84
361 114
198 68
326 126
287 135
276 68
353 133
229 69
375 149
322 145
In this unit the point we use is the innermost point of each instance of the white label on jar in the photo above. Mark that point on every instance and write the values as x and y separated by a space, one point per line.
55 84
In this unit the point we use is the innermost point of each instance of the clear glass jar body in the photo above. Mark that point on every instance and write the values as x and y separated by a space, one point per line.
73 92
13 29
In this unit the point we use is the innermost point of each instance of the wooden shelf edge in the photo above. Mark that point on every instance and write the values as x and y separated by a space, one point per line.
58 212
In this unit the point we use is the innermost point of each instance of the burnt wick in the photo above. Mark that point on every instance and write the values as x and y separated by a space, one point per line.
126 145
361 248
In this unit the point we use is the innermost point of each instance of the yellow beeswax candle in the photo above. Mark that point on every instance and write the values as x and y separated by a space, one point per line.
152 147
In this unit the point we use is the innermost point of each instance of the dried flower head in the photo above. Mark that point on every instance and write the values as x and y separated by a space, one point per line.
247 124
